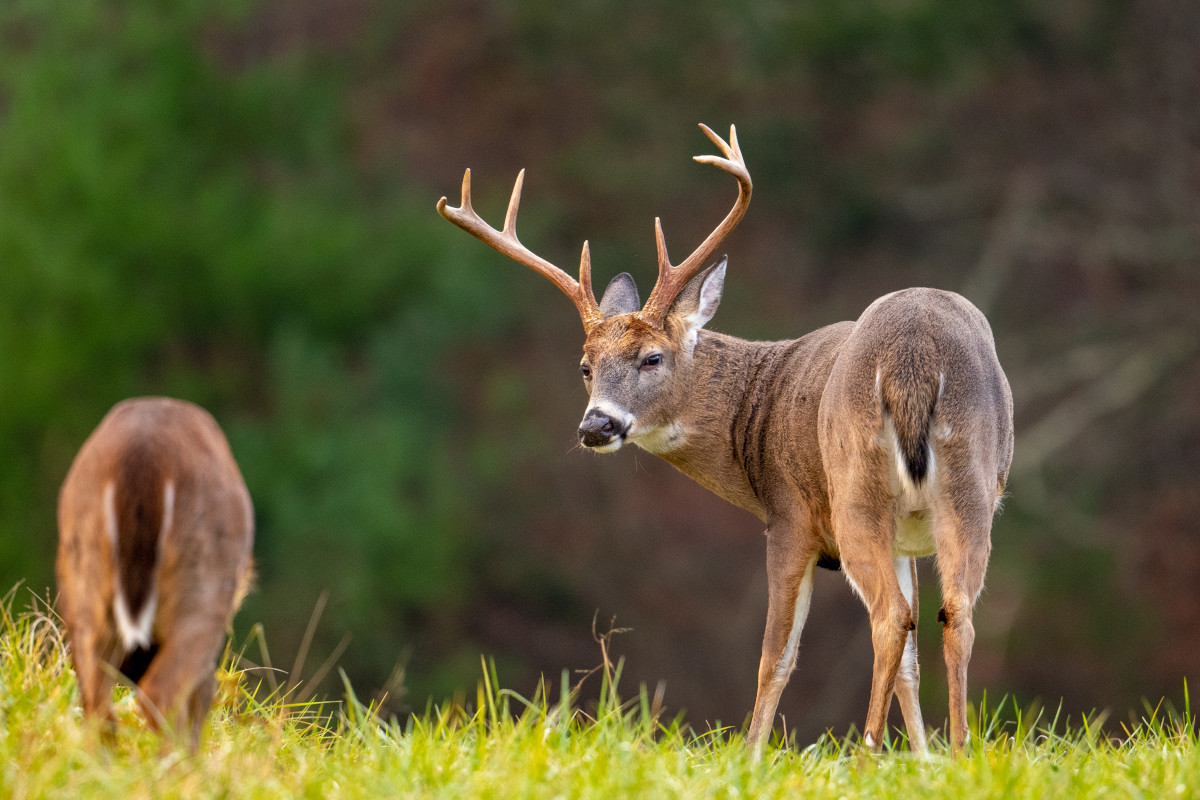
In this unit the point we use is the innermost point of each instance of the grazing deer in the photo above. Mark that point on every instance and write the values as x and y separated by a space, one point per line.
865 443
155 532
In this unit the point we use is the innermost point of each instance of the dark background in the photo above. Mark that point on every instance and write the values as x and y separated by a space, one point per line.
233 202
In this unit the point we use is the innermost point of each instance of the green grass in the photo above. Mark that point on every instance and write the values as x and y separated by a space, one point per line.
503 745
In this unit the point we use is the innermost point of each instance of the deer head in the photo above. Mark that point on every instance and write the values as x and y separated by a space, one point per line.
635 358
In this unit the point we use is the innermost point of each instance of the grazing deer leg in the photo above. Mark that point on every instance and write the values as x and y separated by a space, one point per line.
789 592
865 541
198 706
170 692
908 677
95 670
963 533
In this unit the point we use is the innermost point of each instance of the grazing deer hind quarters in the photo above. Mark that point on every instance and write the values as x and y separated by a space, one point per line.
869 443
154 557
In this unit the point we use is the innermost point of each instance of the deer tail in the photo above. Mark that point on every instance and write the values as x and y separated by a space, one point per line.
139 510
909 393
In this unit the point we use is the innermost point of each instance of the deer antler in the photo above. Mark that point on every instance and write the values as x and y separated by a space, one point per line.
672 279
506 242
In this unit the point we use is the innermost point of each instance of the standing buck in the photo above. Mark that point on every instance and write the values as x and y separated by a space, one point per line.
155 530
868 443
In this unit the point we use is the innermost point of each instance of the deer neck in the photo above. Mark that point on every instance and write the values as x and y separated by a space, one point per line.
719 406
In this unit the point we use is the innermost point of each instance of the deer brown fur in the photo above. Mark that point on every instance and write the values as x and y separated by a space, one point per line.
862 445
154 557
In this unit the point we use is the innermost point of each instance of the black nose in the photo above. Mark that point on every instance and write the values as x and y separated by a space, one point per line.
598 429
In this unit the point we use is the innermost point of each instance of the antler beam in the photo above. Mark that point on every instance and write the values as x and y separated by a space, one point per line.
672 279
507 243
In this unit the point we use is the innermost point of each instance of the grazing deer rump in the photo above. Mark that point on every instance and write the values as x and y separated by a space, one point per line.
155 534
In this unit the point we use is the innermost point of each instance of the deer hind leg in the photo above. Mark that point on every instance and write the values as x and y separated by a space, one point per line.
198 707
865 541
176 690
94 649
93 656
963 534
908 676
789 592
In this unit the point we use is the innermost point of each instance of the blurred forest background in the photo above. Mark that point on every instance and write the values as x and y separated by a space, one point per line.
233 202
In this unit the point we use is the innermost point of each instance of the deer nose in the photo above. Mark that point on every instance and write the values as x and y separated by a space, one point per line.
598 428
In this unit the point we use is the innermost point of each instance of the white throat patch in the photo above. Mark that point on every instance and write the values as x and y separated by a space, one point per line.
660 439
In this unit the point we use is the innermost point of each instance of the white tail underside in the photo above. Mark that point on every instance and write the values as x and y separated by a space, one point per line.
134 630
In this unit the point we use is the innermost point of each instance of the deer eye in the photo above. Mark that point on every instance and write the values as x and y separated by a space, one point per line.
586 371
652 361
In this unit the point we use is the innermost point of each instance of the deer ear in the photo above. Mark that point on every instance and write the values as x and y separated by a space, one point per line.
621 296
698 301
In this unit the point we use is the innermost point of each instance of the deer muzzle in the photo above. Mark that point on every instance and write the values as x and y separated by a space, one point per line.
603 430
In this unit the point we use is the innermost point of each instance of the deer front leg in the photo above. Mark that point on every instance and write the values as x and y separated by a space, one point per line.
789 591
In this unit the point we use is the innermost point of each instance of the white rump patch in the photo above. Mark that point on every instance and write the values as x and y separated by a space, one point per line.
906 481
135 632
110 515
168 512
941 430
890 439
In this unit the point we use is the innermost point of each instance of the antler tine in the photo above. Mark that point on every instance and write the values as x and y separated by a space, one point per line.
672 278
585 278
733 163
514 203
507 243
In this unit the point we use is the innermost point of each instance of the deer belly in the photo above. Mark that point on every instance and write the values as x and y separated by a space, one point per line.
914 535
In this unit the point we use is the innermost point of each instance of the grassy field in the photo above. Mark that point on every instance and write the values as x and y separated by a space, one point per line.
503 745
